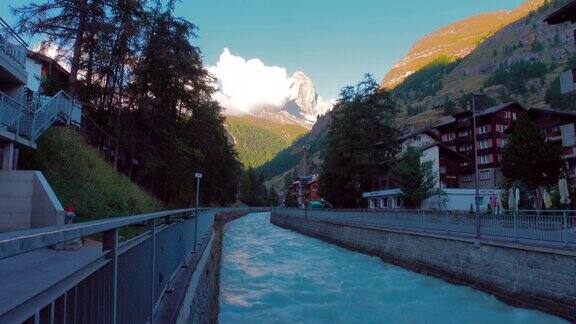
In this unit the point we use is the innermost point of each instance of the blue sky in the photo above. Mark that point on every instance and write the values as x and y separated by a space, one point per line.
333 41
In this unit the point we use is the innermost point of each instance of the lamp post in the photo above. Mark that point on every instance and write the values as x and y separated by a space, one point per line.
476 179
198 176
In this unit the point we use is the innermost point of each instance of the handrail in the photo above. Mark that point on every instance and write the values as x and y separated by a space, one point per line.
404 210
4 24
125 282
542 228
17 242
2 94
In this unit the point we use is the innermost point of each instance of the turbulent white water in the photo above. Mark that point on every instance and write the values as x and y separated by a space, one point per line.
273 275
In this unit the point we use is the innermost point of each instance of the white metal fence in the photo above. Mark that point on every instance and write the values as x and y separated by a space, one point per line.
555 228
125 283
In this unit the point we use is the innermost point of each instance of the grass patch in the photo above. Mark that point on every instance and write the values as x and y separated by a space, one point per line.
81 177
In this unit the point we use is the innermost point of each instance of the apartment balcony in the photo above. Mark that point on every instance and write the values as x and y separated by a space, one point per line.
12 56
569 152
568 81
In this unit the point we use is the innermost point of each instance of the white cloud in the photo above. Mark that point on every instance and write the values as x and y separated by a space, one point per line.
248 86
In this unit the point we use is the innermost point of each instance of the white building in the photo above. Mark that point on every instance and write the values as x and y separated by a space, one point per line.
445 163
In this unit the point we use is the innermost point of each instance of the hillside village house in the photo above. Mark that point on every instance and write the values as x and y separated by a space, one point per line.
450 146
303 190
563 15
26 112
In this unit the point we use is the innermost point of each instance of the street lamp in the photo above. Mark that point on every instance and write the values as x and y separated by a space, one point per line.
476 179
198 176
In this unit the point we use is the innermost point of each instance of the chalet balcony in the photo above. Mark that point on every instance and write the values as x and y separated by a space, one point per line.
569 152
464 124
12 56
568 81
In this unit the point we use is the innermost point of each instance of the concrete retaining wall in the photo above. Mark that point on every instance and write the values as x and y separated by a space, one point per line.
196 287
523 276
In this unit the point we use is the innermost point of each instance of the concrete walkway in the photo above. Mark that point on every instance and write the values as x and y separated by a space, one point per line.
26 275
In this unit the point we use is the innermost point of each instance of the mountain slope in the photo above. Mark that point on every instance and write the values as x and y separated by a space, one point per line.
258 140
455 41
280 171
520 62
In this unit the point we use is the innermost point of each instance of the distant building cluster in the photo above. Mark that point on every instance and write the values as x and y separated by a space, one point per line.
450 146
302 191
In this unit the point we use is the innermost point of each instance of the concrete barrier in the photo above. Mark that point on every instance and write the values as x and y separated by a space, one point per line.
27 201
524 276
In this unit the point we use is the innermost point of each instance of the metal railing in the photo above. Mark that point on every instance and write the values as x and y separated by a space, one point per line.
31 119
12 44
553 228
125 283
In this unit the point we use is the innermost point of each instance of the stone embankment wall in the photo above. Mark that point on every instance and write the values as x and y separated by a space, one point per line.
523 276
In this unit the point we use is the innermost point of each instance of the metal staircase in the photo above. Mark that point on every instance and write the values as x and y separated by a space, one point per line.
30 119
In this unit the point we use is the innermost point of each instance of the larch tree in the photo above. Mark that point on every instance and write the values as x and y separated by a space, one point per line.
529 157
415 177
364 116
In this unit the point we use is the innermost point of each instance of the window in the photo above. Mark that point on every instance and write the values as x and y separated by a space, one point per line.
465 148
464 164
485 174
467 178
483 129
501 128
464 133
448 137
484 144
510 115
485 159
501 142
417 138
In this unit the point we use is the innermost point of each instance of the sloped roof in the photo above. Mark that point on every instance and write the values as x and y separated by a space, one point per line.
562 15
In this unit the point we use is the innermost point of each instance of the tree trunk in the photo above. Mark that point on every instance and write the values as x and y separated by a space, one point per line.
83 13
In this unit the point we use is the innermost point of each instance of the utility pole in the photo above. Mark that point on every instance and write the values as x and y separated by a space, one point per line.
476 178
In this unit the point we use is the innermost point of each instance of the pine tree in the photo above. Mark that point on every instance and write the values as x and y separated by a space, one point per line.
363 117
529 157
415 178
64 23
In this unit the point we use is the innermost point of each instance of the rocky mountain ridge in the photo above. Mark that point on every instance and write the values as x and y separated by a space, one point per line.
302 107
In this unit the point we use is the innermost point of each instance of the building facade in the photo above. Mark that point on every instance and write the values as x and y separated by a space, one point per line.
450 146
26 113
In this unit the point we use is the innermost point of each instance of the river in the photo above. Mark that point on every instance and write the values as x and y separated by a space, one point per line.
273 275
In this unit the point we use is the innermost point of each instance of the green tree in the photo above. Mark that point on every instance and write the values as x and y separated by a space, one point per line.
65 23
364 116
529 157
415 178
252 191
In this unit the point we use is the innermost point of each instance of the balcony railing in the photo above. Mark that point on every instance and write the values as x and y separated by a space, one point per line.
30 120
567 81
11 44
